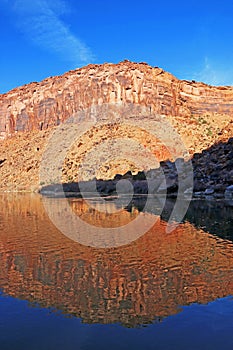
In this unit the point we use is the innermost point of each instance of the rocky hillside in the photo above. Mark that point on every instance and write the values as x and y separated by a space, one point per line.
201 114
50 102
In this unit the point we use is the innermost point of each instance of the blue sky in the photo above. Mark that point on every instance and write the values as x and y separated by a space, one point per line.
41 38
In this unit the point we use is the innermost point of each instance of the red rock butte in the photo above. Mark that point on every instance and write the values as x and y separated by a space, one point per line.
41 105
201 114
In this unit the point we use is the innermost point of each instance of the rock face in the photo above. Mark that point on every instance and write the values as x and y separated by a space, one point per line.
50 102
201 114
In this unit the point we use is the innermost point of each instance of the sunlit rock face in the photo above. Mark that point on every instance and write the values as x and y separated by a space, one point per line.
200 114
50 102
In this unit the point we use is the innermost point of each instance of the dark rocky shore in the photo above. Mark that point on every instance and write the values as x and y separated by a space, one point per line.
211 172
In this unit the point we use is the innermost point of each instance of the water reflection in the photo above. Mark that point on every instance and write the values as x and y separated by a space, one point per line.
141 282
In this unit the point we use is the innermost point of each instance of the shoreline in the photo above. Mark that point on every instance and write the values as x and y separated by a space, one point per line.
108 190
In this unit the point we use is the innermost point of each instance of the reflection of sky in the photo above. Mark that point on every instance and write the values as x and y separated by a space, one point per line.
196 327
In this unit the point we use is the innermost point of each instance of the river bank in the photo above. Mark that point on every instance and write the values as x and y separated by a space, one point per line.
208 175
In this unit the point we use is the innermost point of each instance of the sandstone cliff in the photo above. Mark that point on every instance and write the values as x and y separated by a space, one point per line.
201 114
48 103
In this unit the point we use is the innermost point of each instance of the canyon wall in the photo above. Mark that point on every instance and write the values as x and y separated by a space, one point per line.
200 114
50 102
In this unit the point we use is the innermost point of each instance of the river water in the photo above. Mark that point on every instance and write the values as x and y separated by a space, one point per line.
159 290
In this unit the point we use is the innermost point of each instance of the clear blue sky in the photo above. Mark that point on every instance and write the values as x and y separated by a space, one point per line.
41 38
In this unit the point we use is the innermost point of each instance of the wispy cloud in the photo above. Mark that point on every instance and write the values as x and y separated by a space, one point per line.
40 21
213 74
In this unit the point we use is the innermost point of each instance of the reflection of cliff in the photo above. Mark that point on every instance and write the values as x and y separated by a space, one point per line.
103 215
213 216
133 284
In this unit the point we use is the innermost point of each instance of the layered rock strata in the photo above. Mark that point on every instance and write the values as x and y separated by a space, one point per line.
50 102
201 114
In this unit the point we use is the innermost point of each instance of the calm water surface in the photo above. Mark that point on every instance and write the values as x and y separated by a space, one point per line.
161 291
